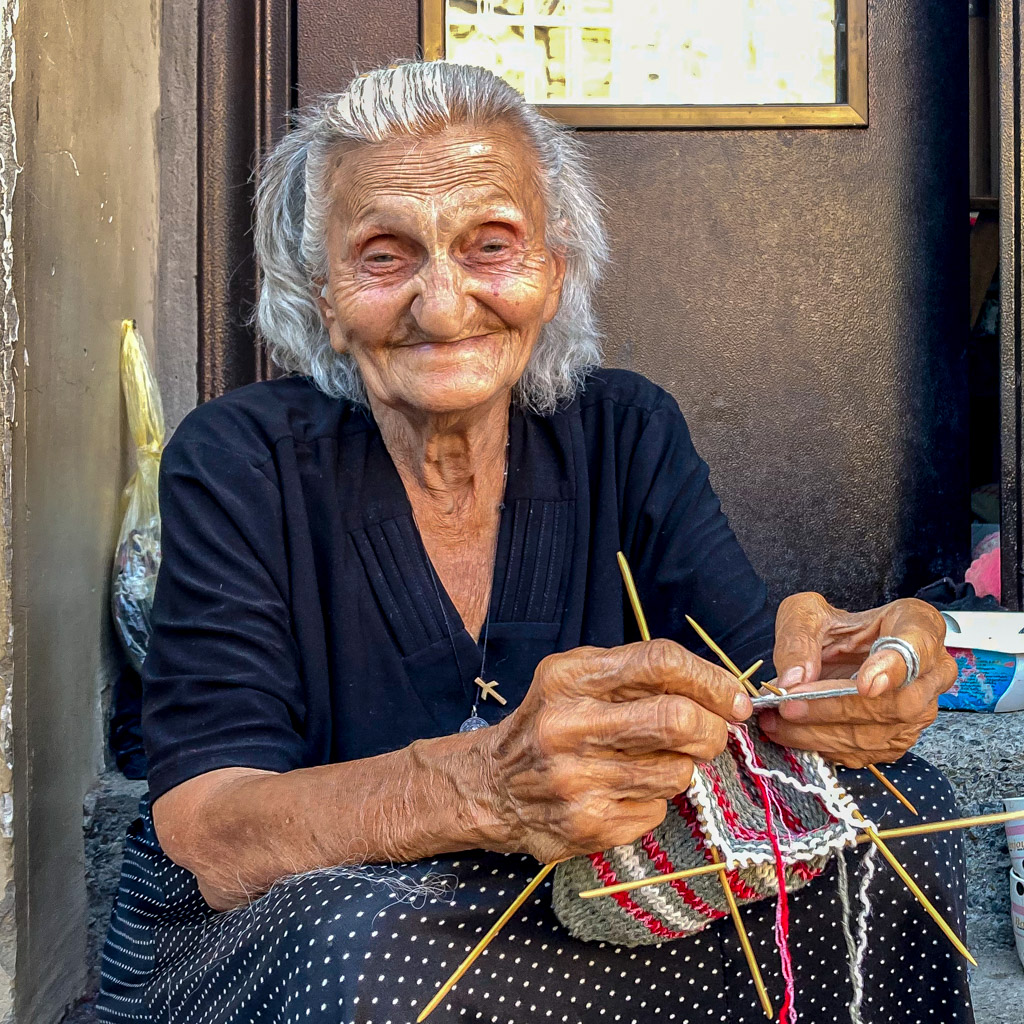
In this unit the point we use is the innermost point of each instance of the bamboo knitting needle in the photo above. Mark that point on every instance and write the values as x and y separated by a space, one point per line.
916 890
544 871
748 952
645 633
941 826
484 942
892 789
731 666
889 833
734 910
884 850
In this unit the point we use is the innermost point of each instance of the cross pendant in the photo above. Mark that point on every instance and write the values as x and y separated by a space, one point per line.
490 690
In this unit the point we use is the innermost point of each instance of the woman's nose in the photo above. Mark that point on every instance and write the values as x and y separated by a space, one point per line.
439 305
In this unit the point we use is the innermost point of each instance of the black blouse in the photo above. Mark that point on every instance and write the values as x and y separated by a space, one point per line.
296 619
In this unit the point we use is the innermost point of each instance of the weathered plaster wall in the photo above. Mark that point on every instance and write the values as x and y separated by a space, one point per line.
87 98
8 345
176 309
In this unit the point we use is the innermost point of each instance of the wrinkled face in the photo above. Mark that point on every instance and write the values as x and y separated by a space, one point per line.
439 277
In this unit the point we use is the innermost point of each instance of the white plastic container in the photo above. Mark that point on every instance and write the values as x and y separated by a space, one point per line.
1015 835
989 652
1017 912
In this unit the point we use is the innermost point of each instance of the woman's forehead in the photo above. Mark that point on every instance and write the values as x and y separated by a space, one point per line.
457 171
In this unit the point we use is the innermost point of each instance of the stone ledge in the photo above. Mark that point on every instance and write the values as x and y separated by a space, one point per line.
983 757
997 987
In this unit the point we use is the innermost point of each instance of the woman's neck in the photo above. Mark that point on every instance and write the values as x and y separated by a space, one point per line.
450 461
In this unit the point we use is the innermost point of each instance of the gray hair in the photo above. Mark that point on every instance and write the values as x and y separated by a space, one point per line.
412 100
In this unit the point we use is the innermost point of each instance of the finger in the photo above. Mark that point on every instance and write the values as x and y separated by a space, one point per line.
882 672
641 778
654 667
919 625
653 724
847 745
800 626
894 707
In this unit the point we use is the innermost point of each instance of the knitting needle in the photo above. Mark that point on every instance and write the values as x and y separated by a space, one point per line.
773 700
734 910
871 834
916 890
731 666
485 941
748 952
889 833
941 826
645 633
892 789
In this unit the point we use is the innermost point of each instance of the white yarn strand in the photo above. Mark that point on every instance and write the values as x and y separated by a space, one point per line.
868 866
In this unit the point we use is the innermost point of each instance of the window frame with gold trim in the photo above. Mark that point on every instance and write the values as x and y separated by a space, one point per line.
849 110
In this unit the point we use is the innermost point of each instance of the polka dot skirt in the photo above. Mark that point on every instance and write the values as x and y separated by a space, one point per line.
329 946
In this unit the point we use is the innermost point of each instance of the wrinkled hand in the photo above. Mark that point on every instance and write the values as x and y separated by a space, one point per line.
601 742
818 646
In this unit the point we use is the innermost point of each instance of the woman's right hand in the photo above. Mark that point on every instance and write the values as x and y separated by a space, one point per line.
603 739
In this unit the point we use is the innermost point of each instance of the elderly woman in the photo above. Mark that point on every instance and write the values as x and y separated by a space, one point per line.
389 626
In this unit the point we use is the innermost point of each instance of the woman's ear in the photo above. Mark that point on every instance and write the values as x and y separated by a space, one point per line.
321 294
320 289
557 261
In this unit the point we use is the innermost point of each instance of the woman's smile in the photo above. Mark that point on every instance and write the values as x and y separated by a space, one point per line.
440 278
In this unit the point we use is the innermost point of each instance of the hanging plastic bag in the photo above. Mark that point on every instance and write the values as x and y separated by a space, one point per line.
137 557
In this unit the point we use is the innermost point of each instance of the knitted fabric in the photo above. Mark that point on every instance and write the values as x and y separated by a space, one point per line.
722 809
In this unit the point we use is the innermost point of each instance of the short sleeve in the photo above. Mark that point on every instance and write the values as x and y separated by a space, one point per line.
682 547
221 682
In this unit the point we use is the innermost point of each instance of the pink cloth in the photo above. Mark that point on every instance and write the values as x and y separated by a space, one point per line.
984 574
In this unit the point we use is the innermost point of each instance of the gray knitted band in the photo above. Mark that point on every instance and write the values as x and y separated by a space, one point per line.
723 808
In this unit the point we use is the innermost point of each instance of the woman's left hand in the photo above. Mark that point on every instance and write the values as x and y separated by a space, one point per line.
818 647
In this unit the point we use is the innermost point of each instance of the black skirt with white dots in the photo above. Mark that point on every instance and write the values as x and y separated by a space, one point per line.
341 946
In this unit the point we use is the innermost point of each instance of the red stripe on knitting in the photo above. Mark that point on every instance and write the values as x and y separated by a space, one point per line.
689 815
660 860
738 828
790 817
787 1013
649 921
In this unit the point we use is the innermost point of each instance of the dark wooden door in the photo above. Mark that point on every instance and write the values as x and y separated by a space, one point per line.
803 293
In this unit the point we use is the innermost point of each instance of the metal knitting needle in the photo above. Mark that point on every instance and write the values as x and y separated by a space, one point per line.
734 910
731 665
872 835
773 700
889 833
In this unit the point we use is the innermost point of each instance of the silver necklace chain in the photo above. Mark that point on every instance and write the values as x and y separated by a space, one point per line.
474 721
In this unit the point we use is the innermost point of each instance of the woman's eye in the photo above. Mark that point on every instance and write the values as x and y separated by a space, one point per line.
381 257
492 248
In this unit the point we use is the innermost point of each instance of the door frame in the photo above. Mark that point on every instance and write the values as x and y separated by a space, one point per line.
1011 292
246 88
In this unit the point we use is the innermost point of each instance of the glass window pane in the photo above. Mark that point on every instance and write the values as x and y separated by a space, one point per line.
660 52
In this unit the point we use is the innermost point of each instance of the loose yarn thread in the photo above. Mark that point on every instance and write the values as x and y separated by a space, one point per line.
843 886
787 1013
868 866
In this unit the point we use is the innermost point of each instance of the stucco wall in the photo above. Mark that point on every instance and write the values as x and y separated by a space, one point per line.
87 100
8 346
176 307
